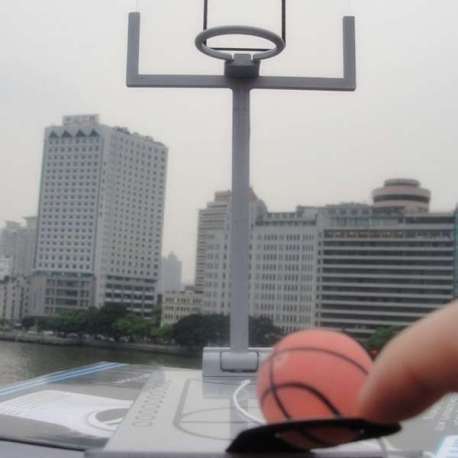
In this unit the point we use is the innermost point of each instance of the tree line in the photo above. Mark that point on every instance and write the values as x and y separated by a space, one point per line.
193 331
116 322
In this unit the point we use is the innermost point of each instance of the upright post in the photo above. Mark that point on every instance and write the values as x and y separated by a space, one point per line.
240 212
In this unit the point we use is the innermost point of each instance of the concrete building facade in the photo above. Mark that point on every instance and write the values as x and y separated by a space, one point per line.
179 304
171 274
213 218
5 267
17 242
353 267
283 268
282 263
100 218
216 288
402 193
14 298
382 270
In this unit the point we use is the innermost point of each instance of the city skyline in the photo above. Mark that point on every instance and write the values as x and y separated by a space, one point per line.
399 122
191 271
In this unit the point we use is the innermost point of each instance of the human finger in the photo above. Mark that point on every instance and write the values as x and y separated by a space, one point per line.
414 370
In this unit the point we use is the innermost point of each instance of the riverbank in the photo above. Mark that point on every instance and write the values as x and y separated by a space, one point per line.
25 337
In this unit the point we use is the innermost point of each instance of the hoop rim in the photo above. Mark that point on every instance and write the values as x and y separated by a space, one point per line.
203 36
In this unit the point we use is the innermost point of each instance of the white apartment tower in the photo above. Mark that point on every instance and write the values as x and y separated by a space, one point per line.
100 218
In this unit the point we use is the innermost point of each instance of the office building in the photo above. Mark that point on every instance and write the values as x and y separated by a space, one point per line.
212 218
100 218
17 242
353 267
214 246
402 194
14 298
5 267
171 272
282 267
383 270
387 264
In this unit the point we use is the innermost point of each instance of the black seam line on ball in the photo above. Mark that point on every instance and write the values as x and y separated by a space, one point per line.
274 388
321 350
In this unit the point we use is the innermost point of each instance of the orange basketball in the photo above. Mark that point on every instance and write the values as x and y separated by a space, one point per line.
313 374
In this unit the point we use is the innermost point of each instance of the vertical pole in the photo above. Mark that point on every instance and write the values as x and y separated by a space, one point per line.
240 230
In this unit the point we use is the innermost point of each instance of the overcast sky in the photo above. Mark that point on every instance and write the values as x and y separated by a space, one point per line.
62 57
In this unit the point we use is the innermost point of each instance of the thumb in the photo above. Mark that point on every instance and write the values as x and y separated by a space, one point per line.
414 370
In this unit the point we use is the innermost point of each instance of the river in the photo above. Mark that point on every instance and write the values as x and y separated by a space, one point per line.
20 361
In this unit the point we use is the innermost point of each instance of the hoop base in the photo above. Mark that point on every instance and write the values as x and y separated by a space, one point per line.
242 66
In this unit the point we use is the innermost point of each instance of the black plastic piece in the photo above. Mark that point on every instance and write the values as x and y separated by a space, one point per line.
267 438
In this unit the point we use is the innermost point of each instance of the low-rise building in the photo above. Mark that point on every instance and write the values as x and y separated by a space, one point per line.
179 304
14 295
377 270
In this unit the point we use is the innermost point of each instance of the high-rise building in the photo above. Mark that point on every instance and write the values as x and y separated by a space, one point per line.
17 242
100 218
14 298
5 267
282 262
8 237
214 247
171 270
212 218
283 268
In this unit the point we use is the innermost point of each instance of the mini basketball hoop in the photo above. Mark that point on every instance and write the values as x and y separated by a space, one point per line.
241 75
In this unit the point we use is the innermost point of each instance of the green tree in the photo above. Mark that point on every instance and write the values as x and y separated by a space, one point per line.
156 315
381 337
4 324
38 322
28 321
197 331
201 330
162 335
102 321
77 321
132 326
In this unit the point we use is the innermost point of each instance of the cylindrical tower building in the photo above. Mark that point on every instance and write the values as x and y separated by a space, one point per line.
401 193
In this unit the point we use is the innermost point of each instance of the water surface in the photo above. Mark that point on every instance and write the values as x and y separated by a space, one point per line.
20 361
